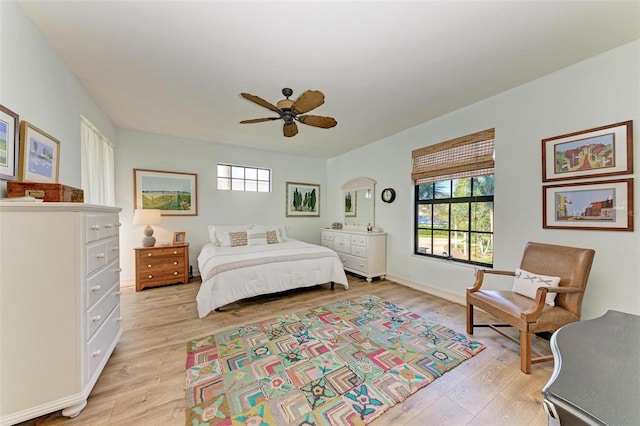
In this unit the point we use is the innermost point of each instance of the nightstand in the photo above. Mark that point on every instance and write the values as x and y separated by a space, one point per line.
161 265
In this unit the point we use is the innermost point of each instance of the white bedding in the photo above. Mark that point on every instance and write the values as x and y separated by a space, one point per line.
233 273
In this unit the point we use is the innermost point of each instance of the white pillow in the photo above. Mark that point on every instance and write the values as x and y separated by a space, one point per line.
281 230
527 283
256 237
224 228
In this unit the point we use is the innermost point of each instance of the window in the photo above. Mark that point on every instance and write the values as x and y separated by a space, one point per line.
97 170
243 178
454 199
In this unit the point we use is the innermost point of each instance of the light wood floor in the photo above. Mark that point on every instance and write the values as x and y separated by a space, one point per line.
143 383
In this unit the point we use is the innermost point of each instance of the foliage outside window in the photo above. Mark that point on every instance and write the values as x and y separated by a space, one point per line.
454 199
243 178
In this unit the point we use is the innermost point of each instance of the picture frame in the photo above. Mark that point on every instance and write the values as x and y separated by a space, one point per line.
303 199
350 203
179 238
597 152
600 205
39 155
9 144
173 193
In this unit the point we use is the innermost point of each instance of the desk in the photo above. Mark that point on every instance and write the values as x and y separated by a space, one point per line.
596 375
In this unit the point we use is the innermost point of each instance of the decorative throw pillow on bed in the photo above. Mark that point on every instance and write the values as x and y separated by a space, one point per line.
256 237
272 237
526 283
238 238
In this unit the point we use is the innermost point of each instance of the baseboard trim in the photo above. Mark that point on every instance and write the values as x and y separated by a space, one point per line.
434 291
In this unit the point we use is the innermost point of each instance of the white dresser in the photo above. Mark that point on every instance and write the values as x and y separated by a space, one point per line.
363 253
59 305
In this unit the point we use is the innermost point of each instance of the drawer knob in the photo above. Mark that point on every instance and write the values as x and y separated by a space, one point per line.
175 263
97 353
96 288
175 252
149 254
100 255
118 224
119 270
119 319
108 226
96 318
95 227
117 293
115 248
175 273
149 266
150 276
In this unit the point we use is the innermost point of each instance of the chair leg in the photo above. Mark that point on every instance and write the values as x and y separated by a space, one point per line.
469 318
525 352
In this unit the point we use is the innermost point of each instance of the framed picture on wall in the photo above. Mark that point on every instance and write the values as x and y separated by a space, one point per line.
39 155
173 193
303 199
601 151
9 144
600 205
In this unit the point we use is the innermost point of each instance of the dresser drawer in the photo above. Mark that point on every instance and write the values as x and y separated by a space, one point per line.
109 225
163 252
113 249
95 257
97 314
359 251
355 263
326 236
99 345
358 240
102 281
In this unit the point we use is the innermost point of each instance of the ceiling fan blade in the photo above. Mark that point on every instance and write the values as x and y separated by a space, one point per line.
317 121
258 100
259 120
290 129
307 101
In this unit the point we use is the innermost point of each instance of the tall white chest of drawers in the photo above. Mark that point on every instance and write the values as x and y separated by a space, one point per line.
363 253
59 305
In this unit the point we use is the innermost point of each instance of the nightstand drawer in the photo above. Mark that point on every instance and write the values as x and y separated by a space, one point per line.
161 252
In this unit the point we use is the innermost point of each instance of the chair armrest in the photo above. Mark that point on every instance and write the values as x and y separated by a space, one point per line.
480 277
532 314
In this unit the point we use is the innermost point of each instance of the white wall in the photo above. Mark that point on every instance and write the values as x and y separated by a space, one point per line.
37 86
147 151
600 91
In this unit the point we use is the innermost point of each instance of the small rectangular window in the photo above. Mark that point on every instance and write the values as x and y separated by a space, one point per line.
243 178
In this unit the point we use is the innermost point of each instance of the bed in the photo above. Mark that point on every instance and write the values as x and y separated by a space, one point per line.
243 261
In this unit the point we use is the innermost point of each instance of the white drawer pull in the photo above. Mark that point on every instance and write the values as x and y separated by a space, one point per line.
117 293
149 254
115 248
96 288
118 224
96 318
119 319
100 256
175 263
119 270
150 276
95 227
175 273
149 266
108 226
97 353
175 252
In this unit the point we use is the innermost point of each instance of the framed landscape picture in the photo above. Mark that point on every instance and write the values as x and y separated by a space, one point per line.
39 155
601 205
9 144
601 151
303 199
173 193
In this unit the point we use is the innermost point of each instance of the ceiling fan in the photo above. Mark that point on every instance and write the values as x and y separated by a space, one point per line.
289 111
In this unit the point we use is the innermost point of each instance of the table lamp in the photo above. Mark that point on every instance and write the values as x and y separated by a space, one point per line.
147 217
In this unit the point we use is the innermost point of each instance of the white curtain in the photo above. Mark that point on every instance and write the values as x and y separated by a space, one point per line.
98 181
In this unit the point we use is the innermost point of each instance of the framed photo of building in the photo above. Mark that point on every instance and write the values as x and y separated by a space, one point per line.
601 151
600 205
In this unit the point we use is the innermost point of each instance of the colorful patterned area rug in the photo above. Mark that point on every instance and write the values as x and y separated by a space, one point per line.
344 363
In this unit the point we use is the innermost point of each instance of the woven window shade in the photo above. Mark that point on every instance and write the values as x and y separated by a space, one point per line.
467 156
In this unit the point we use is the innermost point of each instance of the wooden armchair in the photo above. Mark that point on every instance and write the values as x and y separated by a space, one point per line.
572 265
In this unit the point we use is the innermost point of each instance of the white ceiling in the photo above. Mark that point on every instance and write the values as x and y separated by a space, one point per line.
178 67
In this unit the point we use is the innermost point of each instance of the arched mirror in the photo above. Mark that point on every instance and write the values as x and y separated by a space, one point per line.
358 196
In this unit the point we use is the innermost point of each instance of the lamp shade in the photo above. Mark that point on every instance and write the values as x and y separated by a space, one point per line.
147 217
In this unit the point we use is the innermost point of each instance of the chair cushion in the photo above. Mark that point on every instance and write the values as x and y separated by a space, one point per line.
526 283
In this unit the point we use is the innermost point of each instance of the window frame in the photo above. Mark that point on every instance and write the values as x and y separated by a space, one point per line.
244 179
